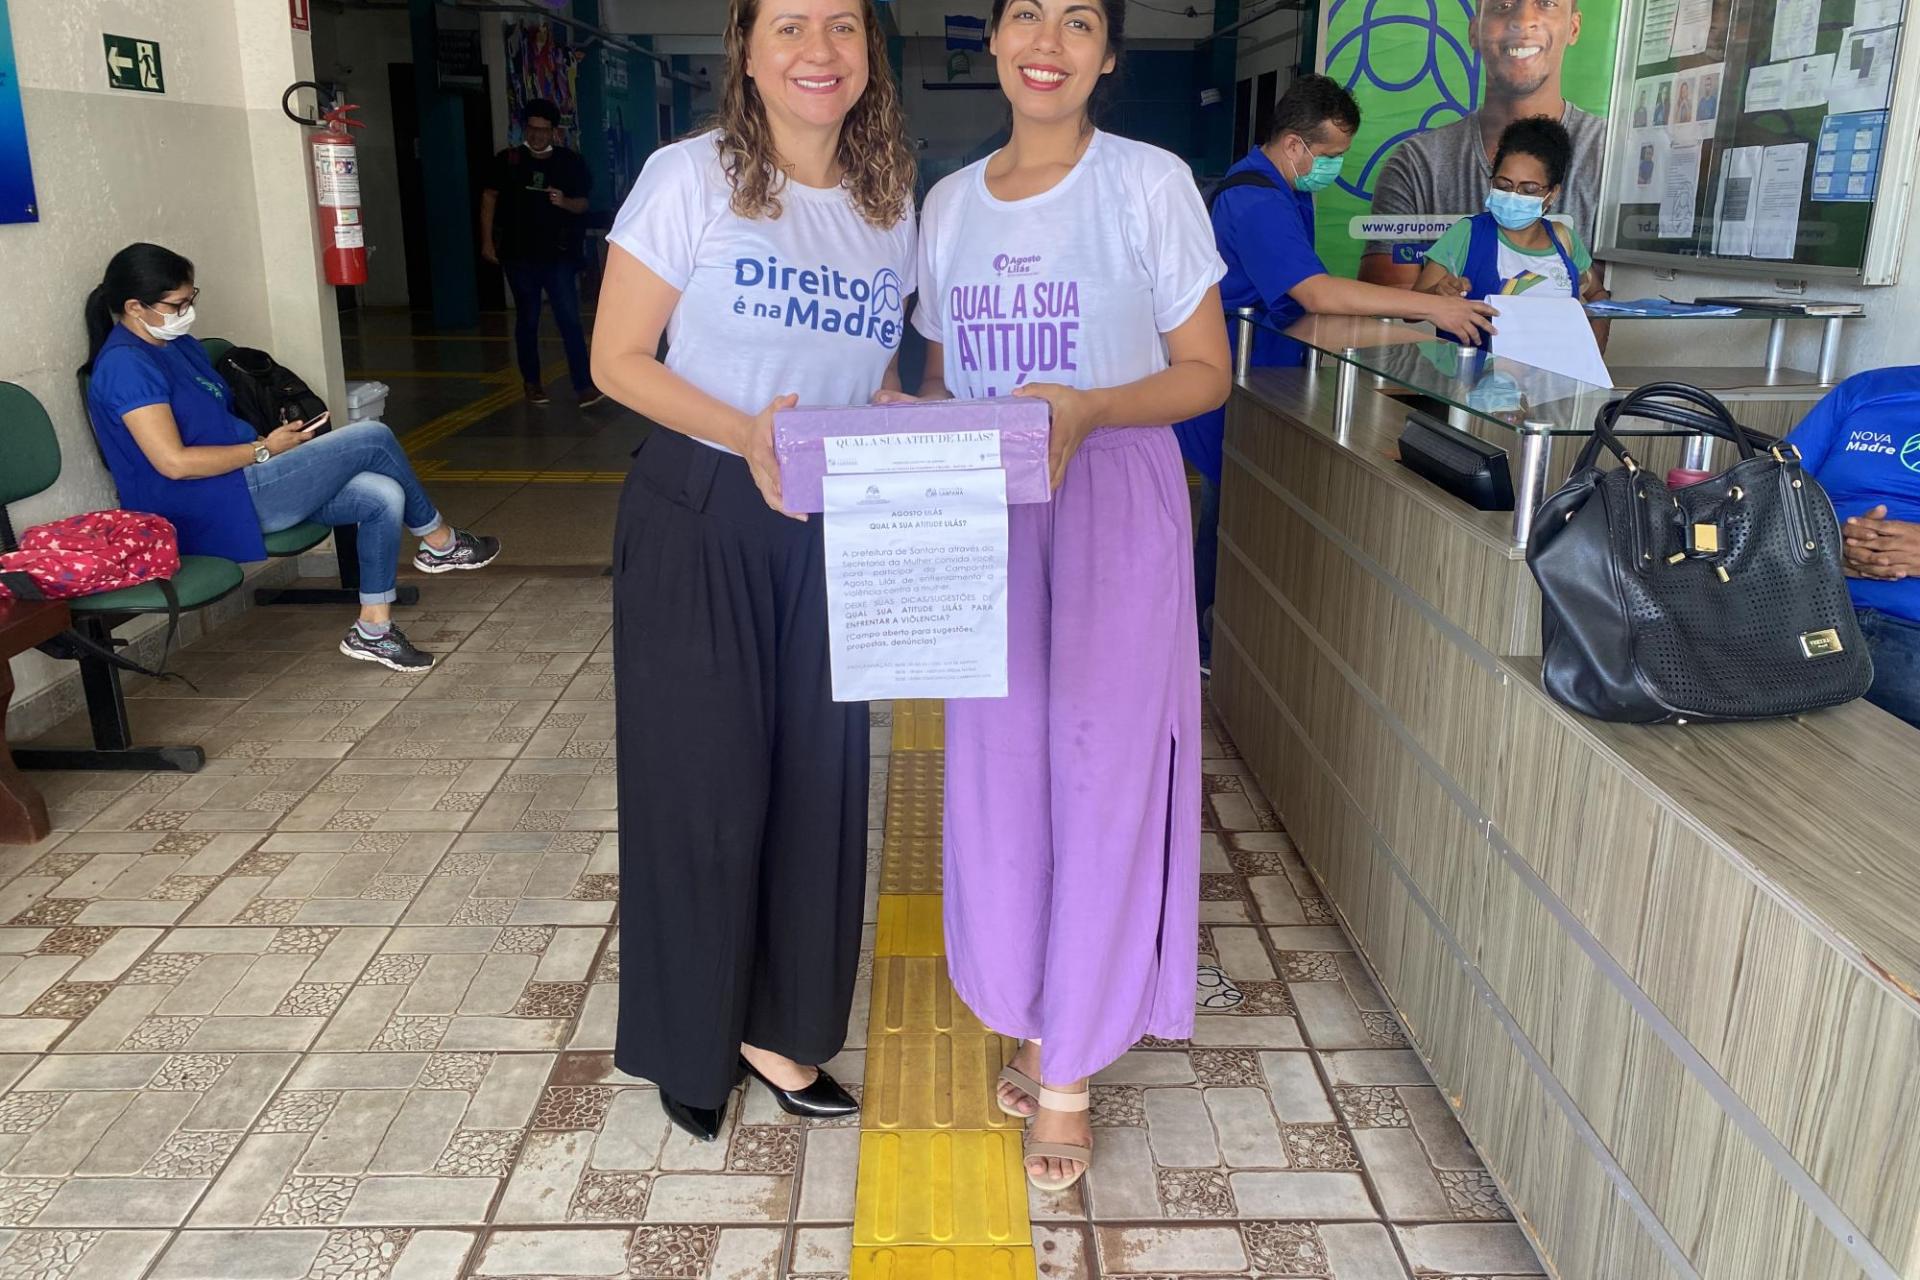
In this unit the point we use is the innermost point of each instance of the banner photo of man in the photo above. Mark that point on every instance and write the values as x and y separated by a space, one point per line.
1437 82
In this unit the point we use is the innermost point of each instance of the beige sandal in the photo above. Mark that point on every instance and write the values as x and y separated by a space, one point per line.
1054 1100
1021 1081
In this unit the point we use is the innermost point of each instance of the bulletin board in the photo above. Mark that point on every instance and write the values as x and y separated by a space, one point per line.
1760 137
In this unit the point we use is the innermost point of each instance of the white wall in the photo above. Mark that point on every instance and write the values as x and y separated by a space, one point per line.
355 48
201 169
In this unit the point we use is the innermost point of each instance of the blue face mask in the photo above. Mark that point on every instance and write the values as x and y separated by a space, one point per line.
1325 170
1514 211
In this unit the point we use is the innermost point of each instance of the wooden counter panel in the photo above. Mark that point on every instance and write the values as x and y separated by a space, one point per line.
1823 810
1661 853
1376 768
1455 558
1777 1004
1451 703
1714 1191
1568 1013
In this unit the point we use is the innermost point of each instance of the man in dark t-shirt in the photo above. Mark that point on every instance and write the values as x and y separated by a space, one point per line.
530 216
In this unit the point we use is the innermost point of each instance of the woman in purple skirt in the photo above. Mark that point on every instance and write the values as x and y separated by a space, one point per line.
1079 267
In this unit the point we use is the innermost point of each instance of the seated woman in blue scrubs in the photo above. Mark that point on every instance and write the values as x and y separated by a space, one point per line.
160 413
1862 443
1512 247
1263 225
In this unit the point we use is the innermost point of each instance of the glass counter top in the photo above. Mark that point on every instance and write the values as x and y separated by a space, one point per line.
1498 391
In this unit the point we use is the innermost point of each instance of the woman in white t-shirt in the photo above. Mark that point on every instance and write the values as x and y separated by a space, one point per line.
774 252
1079 267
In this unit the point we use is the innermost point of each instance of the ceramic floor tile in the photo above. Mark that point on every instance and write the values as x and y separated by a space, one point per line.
342 1006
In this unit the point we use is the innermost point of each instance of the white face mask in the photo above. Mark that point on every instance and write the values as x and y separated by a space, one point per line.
175 326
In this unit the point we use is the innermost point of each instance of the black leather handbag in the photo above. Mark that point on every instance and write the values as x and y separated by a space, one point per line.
1722 600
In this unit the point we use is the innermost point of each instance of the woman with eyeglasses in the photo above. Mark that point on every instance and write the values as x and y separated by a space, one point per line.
166 427
1511 247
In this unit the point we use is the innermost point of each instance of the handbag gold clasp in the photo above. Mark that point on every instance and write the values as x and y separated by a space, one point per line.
1777 450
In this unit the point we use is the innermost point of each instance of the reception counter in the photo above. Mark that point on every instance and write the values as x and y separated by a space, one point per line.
1669 977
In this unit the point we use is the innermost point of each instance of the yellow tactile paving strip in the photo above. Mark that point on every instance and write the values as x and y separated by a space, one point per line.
912 862
941 1192
424 437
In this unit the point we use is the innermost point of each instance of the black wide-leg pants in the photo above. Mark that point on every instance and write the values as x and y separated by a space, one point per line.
743 785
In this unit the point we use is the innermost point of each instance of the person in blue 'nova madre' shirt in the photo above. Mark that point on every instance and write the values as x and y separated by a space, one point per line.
1862 443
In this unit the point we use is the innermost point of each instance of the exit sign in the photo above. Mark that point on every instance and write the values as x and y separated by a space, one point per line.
134 64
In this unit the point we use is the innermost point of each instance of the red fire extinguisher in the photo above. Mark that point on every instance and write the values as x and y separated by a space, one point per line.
336 187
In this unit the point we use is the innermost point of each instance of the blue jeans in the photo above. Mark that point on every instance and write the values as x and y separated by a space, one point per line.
561 282
355 475
1895 646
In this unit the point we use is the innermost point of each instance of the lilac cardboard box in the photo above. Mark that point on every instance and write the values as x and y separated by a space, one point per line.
927 435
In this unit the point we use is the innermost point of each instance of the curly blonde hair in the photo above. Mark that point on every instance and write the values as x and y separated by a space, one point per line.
874 156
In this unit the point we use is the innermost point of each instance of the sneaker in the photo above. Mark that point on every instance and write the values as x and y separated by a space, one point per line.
592 396
537 394
390 650
469 551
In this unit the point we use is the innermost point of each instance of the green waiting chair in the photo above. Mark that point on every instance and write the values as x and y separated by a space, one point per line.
29 465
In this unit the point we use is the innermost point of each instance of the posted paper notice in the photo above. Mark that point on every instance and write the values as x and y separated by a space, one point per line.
1696 103
1863 71
1796 28
1871 14
1656 32
1681 191
1766 88
917 584
1782 185
1733 210
1691 22
1808 81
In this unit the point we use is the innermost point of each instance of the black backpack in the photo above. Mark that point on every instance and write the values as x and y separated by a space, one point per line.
1245 178
266 393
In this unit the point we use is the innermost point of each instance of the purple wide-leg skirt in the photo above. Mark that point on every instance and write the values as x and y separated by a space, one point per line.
1073 804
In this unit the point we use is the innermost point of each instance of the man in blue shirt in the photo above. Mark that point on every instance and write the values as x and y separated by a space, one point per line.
1862 443
1263 222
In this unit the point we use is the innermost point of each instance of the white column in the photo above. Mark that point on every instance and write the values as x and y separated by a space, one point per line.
303 314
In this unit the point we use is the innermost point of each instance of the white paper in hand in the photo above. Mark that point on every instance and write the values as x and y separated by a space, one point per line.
1551 334
917 584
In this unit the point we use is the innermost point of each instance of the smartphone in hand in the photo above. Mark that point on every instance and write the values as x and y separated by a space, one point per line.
319 424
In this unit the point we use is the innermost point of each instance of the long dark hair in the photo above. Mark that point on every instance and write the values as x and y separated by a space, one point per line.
1116 12
144 272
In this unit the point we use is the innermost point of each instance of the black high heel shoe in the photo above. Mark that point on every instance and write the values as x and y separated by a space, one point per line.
703 1123
823 1099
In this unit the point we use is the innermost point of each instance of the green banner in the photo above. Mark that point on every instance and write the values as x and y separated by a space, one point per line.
1417 66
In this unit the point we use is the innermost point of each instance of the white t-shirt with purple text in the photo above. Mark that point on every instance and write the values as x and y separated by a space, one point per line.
1077 285
811 303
